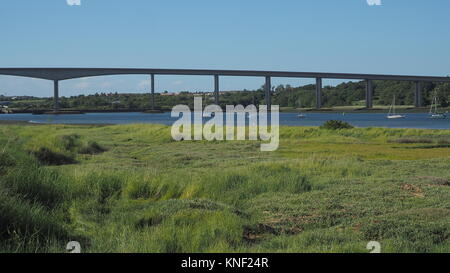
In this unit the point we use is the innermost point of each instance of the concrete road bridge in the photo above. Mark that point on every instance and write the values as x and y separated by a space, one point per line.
59 74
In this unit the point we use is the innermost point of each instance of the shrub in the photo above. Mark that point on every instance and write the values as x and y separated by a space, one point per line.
336 125
48 157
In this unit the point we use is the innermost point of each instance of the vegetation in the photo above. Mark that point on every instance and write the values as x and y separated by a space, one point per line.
336 125
344 94
322 191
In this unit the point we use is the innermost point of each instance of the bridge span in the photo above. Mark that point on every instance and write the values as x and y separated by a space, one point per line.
59 74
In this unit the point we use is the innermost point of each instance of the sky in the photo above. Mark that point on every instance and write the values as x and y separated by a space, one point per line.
410 37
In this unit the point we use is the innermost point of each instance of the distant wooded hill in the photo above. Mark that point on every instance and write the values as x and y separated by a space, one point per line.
344 94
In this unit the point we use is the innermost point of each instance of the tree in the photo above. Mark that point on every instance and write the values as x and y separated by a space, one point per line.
443 94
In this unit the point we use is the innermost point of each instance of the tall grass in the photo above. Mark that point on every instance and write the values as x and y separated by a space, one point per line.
133 189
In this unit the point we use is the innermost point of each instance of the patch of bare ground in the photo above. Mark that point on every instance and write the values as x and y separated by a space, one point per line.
259 232
414 190
279 224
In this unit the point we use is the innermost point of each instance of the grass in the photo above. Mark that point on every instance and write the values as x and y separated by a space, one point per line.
131 188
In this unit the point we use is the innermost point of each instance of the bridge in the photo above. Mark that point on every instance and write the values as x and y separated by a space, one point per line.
59 74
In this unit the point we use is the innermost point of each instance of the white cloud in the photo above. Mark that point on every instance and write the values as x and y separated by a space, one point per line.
374 2
177 82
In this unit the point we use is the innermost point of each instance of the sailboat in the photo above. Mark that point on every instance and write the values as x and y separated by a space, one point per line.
434 114
392 114
300 115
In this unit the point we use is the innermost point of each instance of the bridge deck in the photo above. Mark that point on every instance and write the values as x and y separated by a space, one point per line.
73 73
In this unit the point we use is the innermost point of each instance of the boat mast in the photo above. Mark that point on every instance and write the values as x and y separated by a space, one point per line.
434 105
393 106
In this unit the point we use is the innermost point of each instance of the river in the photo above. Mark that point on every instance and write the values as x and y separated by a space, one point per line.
289 119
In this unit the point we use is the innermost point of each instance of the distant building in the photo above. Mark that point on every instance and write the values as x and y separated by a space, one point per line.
170 94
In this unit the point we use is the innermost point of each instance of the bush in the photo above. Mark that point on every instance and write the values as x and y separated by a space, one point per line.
336 125
48 157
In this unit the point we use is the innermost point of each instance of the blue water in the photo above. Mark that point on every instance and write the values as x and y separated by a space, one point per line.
290 119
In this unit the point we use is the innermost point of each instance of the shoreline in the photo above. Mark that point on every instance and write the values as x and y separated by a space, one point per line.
81 111
28 123
338 109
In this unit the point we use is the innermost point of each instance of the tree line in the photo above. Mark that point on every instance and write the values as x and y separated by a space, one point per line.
344 94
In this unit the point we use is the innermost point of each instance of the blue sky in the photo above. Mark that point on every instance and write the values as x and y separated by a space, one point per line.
397 37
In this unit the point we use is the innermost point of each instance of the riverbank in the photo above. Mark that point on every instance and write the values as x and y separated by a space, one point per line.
358 119
83 111
338 109
364 110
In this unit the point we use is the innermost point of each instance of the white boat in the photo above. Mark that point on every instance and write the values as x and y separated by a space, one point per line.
395 116
434 114
299 105
438 116
392 114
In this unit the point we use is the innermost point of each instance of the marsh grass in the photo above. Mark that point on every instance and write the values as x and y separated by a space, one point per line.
134 189
48 157
6 161
32 205
92 148
411 140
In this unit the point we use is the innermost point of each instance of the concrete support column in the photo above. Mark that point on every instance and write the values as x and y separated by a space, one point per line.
268 88
318 93
152 84
216 89
369 93
55 95
418 95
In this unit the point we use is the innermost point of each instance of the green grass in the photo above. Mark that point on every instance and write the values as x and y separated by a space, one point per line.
131 188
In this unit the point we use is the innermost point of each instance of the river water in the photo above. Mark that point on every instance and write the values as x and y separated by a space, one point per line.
289 119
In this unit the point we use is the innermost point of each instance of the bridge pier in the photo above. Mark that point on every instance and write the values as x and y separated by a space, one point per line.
152 86
418 94
318 93
268 88
369 93
55 95
216 89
